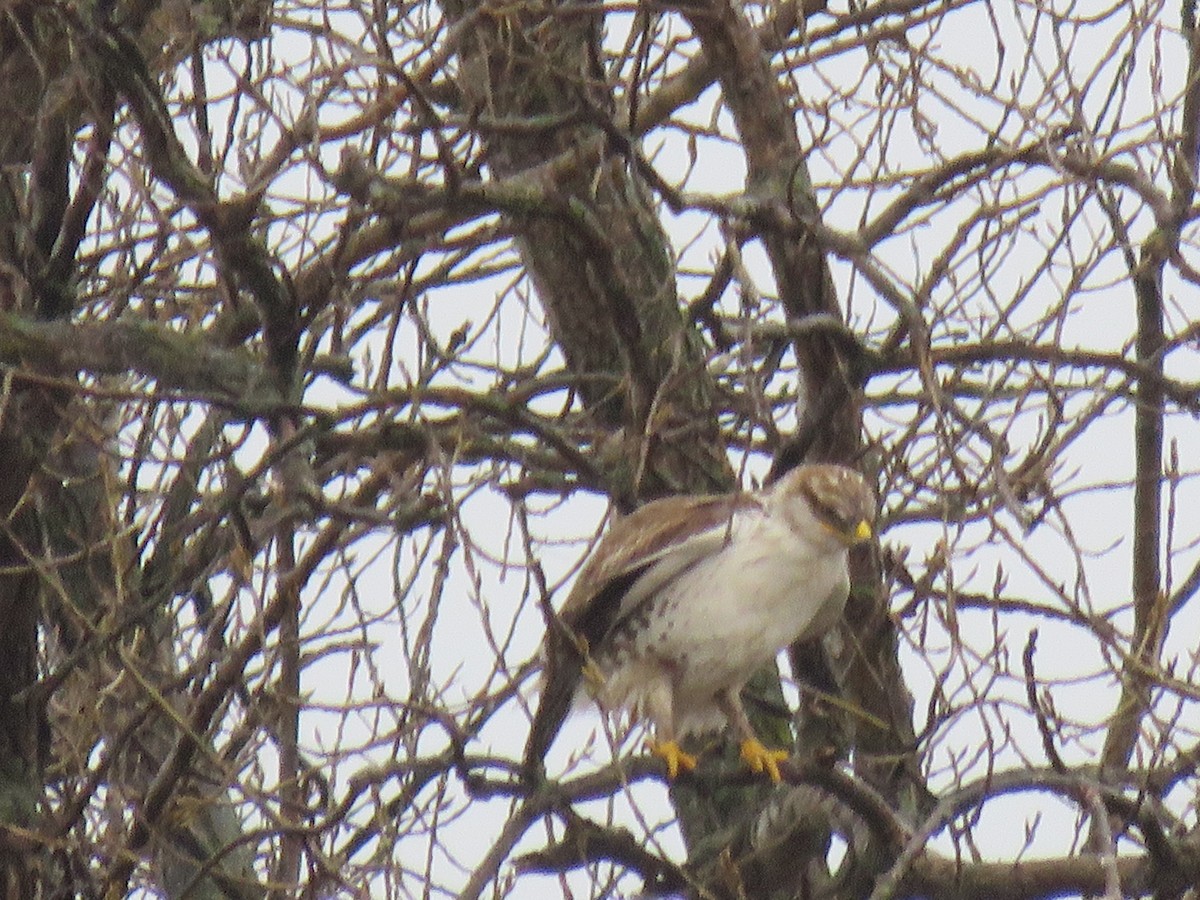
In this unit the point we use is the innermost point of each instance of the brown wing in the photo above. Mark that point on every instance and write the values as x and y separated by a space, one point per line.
598 598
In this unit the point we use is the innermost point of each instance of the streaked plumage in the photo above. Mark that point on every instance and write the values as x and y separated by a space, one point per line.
684 599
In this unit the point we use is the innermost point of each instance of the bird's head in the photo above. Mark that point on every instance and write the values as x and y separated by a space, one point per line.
837 498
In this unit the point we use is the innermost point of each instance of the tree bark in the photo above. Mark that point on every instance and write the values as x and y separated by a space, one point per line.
602 267
57 546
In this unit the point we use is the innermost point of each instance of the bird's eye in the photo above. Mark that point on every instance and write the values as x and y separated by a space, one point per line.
830 516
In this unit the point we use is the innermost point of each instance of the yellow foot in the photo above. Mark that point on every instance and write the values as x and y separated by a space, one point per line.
677 759
762 759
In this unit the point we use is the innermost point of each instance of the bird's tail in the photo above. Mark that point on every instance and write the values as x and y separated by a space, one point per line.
566 656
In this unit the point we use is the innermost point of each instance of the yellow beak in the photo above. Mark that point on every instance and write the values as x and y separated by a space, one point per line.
862 532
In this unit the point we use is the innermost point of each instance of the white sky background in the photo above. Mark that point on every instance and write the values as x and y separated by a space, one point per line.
487 608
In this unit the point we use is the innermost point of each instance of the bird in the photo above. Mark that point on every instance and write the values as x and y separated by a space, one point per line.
682 600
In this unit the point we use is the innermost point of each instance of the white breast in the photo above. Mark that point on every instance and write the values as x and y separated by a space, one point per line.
710 626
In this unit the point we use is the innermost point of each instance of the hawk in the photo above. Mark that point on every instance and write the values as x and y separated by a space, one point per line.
685 598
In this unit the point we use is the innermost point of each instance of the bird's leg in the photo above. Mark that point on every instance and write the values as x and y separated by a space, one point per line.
757 756
659 709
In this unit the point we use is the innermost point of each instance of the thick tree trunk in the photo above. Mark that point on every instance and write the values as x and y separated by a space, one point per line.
28 420
603 271
57 544
595 250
